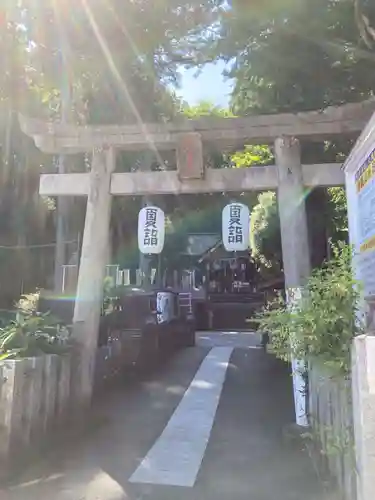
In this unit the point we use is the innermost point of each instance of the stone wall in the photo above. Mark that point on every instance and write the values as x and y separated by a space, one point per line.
331 420
37 398
363 390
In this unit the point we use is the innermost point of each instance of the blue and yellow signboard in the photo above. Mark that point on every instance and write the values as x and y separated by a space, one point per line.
364 174
365 190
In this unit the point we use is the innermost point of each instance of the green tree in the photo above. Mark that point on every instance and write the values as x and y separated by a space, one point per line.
118 58
326 218
297 55
325 321
26 219
294 55
265 239
205 109
120 53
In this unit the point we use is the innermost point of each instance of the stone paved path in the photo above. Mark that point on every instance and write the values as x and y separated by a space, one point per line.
208 426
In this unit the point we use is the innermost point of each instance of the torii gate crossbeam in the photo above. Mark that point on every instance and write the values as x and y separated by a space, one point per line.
168 182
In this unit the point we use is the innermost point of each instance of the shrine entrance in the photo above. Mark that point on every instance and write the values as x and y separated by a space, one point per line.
189 139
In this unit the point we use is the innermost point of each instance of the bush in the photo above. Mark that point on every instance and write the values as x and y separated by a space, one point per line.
108 294
28 303
322 326
33 335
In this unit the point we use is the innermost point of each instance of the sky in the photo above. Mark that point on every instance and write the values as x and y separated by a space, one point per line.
210 85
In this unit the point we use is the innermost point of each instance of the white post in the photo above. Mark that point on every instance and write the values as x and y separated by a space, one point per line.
91 272
363 387
295 245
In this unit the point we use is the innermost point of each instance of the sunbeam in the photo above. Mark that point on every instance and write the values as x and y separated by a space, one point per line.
113 68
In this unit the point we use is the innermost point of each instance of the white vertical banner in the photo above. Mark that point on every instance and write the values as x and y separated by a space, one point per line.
294 298
151 230
236 227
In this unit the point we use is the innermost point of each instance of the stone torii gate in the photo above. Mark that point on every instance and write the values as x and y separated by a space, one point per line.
188 139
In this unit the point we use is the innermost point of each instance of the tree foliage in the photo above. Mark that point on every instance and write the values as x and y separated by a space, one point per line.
33 335
119 53
116 58
297 55
26 219
320 328
293 55
205 109
265 239
326 217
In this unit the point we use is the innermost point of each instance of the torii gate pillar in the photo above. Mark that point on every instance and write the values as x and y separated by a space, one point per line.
295 243
91 273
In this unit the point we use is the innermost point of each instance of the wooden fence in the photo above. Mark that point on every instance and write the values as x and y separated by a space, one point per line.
36 398
331 420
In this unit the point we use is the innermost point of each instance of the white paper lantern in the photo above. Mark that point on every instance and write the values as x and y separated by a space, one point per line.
151 230
235 227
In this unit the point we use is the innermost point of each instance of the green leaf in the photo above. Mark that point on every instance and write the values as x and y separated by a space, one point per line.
323 325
